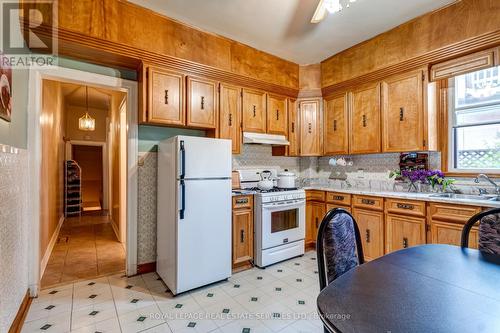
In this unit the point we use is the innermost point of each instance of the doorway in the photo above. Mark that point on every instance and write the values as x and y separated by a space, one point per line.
87 244
90 160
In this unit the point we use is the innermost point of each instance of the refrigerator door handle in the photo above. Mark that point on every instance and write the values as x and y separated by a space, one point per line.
183 160
183 199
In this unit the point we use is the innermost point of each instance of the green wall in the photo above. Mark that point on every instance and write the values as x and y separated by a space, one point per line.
149 136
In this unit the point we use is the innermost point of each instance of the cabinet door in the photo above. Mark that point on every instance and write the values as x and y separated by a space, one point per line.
371 230
242 236
254 111
277 115
403 232
230 115
365 119
293 128
451 233
315 211
165 97
201 103
335 133
403 113
310 128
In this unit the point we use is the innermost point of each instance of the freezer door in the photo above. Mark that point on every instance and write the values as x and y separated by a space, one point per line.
202 158
204 234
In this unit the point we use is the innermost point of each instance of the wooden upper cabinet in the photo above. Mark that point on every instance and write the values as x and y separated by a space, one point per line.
201 103
335 140
165 94
293 128
277 115
230 115
365 119
310 128
254 111
403 113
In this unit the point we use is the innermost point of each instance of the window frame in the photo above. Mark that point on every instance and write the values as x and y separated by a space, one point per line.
448 138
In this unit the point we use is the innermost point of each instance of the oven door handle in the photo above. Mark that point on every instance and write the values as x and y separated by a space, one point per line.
295 203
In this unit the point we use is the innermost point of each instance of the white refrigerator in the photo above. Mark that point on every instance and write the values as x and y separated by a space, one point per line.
194 212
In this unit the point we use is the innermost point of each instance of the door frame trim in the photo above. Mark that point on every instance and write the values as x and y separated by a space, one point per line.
34 150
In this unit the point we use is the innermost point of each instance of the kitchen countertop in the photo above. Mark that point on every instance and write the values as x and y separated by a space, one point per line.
408 195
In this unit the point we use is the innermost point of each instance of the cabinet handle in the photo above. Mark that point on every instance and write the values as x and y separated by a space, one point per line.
405 206
338 197
254 111
230 119
335 125
203 102
166 96
277 114
364 120
293 127
242 236
242 201
368 235
316 220
309 128
401 114
405 242
368 201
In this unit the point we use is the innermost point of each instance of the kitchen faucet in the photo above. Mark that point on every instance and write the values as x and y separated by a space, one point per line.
485 177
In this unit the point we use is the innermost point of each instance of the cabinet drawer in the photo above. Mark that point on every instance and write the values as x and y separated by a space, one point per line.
452 213
405 207
315 195
367 202
338 198
242 201
330 206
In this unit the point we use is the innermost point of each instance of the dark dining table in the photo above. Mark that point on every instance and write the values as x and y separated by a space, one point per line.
427 288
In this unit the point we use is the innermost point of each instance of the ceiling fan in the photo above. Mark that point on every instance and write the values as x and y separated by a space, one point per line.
330 6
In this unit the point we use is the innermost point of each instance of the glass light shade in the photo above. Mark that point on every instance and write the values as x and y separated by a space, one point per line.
86 123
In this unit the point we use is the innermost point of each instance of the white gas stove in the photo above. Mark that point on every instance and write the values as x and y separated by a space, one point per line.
279 219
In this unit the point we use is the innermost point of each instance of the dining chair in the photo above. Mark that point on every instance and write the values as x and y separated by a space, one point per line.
489 231
338 246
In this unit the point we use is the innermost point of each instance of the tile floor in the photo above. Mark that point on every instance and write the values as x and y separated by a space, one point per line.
280 298
87 247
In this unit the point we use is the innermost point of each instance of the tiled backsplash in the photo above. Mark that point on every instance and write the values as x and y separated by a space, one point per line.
261 155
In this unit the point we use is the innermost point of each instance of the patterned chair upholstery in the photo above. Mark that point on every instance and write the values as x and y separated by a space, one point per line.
489 231
338 246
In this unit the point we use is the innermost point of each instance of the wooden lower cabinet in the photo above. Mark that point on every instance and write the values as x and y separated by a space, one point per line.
403 232
315 211
371 229
451 233
242 232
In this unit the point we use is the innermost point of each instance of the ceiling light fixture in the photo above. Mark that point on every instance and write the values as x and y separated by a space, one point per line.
86 122
329 6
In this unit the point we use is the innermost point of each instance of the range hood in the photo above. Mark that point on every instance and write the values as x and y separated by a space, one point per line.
265 139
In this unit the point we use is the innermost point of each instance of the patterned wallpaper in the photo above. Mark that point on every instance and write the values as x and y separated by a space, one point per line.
14 230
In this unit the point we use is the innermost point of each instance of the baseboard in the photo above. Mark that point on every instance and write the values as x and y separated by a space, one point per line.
146 268
115 230
50 247
18 322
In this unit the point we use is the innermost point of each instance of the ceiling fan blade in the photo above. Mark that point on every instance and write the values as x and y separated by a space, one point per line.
319 13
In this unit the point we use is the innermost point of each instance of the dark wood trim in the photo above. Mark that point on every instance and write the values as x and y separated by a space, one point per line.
105 52
18 322
149 267
459 49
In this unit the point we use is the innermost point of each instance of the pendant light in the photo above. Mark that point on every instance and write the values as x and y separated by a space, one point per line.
86 122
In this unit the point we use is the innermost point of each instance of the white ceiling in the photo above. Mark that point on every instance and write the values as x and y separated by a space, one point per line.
283 28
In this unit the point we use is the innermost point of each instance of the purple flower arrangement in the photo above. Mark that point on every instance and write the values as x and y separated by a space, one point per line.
432 177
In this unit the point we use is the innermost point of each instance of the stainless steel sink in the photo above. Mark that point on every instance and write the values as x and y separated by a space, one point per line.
484 197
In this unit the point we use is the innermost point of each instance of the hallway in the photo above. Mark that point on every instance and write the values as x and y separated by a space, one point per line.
87 247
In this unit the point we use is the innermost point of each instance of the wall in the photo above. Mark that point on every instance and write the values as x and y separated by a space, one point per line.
52 162
73 113
14 228
432 31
